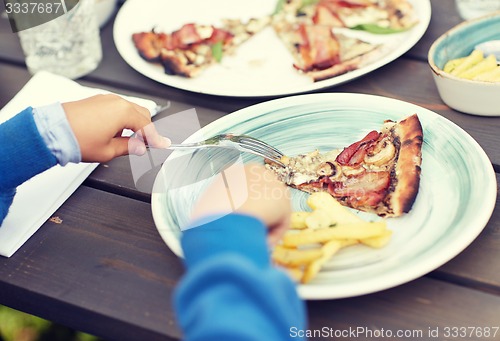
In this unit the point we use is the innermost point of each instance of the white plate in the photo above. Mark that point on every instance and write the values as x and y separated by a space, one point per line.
260 67
456 197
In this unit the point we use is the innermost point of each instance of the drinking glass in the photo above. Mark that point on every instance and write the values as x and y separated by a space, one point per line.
69 45
469 9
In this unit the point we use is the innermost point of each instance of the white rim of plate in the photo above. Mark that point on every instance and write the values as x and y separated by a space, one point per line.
124 44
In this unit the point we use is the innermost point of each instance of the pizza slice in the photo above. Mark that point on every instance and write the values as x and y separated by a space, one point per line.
321 54
379 173
192 48
376 16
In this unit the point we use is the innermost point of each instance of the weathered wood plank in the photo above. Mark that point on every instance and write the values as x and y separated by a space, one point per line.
416 307
104 269
444 16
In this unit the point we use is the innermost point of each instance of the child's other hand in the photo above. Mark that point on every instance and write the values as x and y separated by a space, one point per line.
258 192
98 122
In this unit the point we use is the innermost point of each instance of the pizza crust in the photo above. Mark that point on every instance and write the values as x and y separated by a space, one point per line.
370 54
335 70
407 169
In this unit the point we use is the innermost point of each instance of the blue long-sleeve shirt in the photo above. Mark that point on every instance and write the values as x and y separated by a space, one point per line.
23 154
30 143
231 290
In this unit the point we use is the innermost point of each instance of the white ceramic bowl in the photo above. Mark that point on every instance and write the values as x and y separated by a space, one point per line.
472 97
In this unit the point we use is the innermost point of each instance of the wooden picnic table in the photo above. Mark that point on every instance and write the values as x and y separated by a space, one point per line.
105 270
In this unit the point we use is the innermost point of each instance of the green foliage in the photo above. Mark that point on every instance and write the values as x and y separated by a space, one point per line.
14 323
85 337
18 326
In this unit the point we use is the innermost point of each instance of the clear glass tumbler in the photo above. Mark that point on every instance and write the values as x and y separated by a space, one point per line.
469 9
69 45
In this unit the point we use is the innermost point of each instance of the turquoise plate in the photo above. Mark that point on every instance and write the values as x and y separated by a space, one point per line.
456 197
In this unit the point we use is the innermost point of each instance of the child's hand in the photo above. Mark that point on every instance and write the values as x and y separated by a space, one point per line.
261 195
98 122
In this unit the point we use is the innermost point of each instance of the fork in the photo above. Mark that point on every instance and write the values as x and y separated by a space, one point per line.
242 143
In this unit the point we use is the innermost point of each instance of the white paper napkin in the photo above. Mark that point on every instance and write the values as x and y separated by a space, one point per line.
38 198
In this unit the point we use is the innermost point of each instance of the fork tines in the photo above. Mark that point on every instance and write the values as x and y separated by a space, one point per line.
261 147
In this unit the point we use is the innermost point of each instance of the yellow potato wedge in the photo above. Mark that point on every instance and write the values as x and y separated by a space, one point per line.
452 64
349 242
490 76
319 219
475 57
378 242
294 257
337 212
295 273
329 249
298 220
348 231
485 65
311 271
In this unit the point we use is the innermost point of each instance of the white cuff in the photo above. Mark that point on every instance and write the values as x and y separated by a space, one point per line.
55 130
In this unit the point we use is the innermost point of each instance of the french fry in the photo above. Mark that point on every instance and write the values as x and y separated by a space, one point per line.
348 231
378 242
490 76
337 212
475 57
349 242
294 257
452 64
295 273
329 249
319 219
487 64
298 220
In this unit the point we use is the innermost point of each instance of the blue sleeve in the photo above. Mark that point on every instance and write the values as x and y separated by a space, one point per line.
231 290
23 154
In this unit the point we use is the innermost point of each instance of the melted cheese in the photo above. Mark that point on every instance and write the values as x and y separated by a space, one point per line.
304 168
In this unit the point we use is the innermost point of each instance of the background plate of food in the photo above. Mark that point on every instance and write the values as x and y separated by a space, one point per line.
265 48
455 199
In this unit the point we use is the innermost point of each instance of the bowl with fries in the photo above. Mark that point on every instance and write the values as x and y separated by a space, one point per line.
465 62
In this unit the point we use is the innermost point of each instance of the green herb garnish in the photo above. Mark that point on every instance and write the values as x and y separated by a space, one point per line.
376 29
279 6
306 3
217 51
